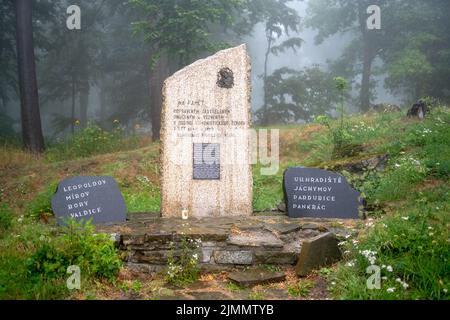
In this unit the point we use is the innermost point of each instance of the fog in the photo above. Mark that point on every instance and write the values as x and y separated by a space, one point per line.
309 54
102 72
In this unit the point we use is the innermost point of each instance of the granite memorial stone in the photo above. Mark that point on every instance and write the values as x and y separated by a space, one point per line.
205 161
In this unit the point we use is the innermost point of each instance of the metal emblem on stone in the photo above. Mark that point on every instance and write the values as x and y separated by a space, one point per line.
86 197
317 193
225 78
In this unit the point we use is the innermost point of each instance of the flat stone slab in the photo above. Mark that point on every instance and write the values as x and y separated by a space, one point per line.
238 257
209 295
254 277
223 242
254 238
317 252
151 224
285 228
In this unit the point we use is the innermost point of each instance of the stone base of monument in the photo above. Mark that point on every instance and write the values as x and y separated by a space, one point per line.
146 240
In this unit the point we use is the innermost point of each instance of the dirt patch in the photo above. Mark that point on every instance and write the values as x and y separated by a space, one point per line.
211 285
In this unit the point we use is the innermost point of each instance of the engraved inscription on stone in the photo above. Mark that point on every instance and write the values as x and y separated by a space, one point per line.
206 161
312 192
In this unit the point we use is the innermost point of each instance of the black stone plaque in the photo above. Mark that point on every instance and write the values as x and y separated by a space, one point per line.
319 193
83 198
206 164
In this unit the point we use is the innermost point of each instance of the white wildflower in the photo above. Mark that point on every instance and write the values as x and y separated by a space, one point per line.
390 290
389 268
405 218
402 283
370 256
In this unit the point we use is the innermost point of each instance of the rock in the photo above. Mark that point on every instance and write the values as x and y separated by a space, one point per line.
377 163
281 206
317 252
275 257
253 277
285 228
178 296
254 238
312 226
418 110
206 254
208 295
199 285
239 257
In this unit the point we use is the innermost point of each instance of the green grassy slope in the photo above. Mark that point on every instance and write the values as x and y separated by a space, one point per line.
407 230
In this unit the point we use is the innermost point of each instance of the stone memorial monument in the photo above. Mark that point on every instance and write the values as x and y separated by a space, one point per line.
316 193
205 160
83 198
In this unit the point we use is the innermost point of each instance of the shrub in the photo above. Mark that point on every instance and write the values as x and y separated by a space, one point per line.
90 141
301 288
95 254
41 204
341 138
183 264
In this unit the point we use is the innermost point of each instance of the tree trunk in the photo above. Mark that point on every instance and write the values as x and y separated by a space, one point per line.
157 77
365 81
103 104
84 103
72 122
3 108
31 119
369 54
265 118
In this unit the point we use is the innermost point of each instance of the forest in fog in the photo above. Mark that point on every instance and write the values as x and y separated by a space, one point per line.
110 71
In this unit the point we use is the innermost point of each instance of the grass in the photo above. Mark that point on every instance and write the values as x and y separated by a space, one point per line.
258 295
34 259
413 241
234 287
409 203
301 288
